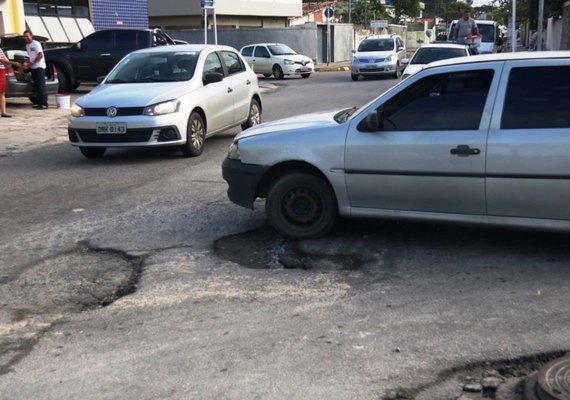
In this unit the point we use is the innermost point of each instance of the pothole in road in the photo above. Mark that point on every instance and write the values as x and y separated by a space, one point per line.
263 248
499 380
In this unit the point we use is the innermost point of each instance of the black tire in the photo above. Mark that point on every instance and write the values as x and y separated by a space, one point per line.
267 75
398 72
74 86
63 81
305 76
301 206
354 77
254 117
195 136
277 72
93 152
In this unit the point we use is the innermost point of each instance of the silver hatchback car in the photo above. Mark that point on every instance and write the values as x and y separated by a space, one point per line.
482 139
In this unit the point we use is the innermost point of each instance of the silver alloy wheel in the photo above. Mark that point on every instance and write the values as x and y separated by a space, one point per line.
197 134
254 114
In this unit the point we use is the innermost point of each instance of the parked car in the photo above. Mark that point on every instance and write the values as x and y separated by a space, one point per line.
20 85
482 139
379 55
95 55
277 59
167 96
491 38
433 52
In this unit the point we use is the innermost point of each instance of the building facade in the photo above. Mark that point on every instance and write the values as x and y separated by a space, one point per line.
176 14
68 21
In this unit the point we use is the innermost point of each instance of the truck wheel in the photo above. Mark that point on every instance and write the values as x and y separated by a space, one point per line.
62 78
301 205
195 136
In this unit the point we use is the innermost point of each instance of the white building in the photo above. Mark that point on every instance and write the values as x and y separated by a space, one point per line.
177 14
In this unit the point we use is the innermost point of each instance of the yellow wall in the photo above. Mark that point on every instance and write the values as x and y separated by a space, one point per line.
15 21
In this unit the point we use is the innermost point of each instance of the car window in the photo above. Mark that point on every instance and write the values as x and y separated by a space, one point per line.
376 45
261 51
102 40
425 55
155 67
537 98
452 101
281 50
247 51
213 64
125 40
158 40
487 33
233 62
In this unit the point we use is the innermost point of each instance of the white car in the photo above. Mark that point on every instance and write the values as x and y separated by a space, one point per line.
167 96
277 59
378 55
433 52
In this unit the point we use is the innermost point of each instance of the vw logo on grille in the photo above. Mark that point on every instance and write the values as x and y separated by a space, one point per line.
111 112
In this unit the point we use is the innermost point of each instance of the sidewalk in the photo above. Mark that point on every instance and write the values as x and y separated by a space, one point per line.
29 128
336 66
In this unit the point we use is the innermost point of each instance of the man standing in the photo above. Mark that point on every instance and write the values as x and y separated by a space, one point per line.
465 26
37 64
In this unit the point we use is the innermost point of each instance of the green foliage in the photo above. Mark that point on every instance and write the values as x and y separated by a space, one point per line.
363 12
406 8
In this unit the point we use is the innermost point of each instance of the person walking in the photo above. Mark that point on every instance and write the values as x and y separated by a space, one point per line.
466 26
3 62
533 46
37 64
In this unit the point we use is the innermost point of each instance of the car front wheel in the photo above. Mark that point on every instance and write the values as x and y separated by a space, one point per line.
301 205
254 117
398 72
93 152
195 136
354 77
277 72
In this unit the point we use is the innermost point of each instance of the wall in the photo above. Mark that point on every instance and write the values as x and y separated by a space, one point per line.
124 13
278 8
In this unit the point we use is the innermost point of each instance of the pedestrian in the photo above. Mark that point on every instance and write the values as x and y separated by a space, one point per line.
466 26
37 64
3 62
534 38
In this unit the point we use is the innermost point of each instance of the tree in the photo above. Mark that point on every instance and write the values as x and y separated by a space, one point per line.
364 11
406 8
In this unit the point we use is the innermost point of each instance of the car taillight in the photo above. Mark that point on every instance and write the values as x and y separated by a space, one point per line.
9 71
54 71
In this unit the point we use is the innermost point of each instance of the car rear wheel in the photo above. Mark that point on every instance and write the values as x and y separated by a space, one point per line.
301 206
277 72
62 78
305 75
354 77
93 152
254 117
195 136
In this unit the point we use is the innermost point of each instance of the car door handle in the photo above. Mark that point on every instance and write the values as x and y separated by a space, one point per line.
464 150
248 82
230 90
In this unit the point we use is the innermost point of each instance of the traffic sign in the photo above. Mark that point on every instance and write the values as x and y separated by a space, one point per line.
329 12
382 23
206 3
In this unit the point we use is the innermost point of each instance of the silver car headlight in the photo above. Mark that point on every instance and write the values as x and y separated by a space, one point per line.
355 60
233 152
389 58
168 107
77 110
287 61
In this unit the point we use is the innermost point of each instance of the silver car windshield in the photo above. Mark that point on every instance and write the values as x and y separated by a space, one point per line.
281 50
426 55
155 67
376 45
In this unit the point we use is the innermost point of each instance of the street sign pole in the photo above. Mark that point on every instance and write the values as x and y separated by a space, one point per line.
514 27
209 5
539 37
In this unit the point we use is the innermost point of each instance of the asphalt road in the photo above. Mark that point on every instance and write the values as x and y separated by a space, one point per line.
134 277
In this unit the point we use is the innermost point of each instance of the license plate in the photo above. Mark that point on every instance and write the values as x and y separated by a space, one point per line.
112 127
304 69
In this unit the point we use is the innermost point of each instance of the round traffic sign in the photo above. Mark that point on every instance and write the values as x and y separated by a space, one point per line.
329 12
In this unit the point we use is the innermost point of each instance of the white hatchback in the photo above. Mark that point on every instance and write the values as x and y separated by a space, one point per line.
433 52
277 59
167 96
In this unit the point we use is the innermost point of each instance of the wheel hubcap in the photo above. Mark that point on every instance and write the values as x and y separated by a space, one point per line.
255 115
197 134
302 206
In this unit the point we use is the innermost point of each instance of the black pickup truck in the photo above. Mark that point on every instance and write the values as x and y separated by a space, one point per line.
95 55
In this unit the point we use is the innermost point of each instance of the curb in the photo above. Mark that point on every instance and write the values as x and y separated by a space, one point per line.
331 69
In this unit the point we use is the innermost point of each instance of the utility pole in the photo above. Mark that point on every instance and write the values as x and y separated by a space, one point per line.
539 27
514 28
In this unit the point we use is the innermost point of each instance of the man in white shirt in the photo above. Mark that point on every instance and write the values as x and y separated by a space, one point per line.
37 64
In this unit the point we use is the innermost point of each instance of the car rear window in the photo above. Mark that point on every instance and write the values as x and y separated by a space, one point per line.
426 55
537 98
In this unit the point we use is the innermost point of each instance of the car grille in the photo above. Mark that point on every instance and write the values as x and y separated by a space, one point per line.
303 63
121 111
371 60
132 136
364 70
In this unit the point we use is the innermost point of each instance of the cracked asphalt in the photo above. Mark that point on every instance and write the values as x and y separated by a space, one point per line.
134 277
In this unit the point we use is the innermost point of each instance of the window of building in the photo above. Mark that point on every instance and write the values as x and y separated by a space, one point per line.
60 8
537 98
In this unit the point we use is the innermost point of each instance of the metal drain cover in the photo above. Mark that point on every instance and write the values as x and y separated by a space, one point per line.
553 381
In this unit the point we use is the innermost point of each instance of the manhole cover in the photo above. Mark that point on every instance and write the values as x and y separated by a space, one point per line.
554 380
